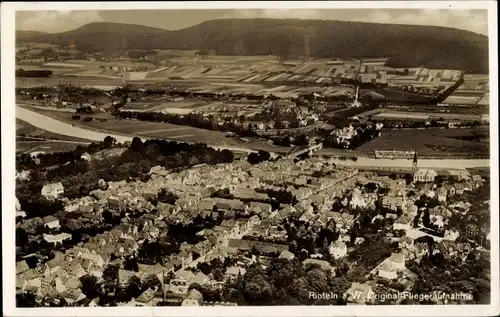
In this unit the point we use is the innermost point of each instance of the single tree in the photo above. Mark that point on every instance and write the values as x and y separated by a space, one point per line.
90 287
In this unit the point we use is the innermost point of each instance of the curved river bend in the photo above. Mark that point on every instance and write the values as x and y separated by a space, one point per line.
52 125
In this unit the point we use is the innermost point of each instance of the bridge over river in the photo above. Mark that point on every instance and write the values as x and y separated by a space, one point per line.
52 125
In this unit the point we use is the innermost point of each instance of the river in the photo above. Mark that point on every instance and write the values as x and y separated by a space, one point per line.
52 125
55 126
422 163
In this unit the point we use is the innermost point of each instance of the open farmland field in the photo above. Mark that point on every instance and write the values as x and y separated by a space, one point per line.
183 104
137 106
135 76
63 64
97 64
31 139
256 69
462 100
471 92
87 68
477 82
175 53
436 111
56 71
433 142
231 88
20 125
287 94
162 131
403 115
217 70
24 147
144 128
240 60
162 105
485 101
35 45
98 73
338 90
179 111
54 80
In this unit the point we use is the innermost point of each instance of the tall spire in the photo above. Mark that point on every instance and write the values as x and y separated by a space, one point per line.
415 162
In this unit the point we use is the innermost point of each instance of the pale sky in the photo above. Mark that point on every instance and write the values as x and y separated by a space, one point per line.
60 21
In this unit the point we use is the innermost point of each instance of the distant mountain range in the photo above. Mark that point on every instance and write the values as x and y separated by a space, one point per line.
406 45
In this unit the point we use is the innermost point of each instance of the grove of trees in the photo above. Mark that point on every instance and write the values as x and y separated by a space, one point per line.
192 120
284 282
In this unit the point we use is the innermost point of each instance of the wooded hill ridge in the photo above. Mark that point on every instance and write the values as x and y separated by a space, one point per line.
406 45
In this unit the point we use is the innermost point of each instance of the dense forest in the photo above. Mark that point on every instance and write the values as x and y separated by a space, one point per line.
405 45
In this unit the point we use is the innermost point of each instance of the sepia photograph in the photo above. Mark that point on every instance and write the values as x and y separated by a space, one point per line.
250 158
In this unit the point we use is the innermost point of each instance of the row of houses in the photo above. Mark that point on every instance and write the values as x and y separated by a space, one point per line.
125 239
463 176
448 248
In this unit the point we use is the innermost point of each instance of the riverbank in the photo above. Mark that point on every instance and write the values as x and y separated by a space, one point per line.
52 125
367 162
44 122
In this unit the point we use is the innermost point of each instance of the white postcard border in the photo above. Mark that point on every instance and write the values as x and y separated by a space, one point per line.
8 165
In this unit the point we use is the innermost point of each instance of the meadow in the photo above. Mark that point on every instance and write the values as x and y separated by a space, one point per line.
435 141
